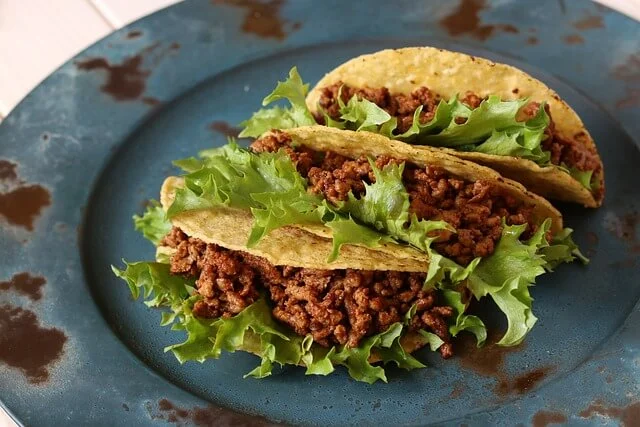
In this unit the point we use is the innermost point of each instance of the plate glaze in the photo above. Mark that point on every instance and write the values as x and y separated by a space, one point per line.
94 141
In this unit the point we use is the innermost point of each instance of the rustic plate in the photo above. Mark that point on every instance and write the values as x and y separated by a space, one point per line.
86 148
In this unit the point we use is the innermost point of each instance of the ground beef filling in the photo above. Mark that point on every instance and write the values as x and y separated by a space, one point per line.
334 306
474 209
574 153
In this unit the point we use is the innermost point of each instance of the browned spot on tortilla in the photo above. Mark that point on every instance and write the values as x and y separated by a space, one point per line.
629 415
7 171
546 418
207 416
629 70
609 379
125 82
174 46
25 284
262 17
532 40
524 382
589 22
573 39
465 19
26 345
225 128
134 34
151 101
632 99
488 360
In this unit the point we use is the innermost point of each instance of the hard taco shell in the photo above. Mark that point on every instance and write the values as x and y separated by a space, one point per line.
451 73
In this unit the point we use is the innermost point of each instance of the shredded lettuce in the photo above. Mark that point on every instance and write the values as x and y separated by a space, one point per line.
269 185
492 128
585 178
153 224
294 91
255 328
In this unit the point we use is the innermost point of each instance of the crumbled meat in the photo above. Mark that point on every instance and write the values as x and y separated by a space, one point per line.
334 306
472 100
277 140
474 209
400 106
225 284
573 152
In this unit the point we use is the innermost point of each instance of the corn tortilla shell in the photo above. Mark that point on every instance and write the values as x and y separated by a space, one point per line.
450 73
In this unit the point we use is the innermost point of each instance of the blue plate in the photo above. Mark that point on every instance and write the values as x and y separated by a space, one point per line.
85 149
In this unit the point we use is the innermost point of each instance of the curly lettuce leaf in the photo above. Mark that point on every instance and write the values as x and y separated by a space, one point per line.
269 185
362 114
585 178
464 322
208 338
153 224
294 91
255 328
385 207
507 274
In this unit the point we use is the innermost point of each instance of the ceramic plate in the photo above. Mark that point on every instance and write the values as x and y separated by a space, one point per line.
93 142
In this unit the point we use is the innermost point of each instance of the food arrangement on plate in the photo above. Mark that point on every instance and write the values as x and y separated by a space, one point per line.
368 215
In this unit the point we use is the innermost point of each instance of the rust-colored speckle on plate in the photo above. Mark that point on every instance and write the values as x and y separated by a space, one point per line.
262 17
26 345
458 390
125 81
632 99
624 227
487 361
208 416
134 34
225 129
573 39
20 203
629 416
546 418
629 70
8 171
465 19
532 40
524 382
589 22
25 284
151 101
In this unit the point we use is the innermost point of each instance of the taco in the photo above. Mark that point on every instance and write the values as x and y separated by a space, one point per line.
322 247
489 113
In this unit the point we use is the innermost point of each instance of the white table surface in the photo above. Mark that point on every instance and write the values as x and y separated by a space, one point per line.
36 36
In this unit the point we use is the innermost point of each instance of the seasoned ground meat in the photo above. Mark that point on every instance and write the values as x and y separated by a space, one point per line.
224 282
334 306
400 106
475 209
573 153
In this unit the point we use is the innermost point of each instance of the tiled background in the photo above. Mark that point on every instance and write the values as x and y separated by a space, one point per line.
36 36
